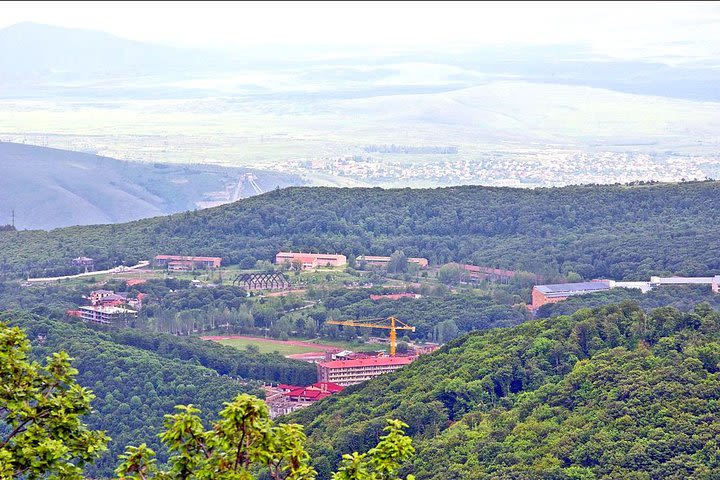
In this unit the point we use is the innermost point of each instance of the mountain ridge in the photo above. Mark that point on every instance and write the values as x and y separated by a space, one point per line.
50 188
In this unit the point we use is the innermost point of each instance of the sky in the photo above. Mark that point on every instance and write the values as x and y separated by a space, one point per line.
685 31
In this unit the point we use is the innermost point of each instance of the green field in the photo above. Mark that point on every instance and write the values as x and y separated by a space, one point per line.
268 347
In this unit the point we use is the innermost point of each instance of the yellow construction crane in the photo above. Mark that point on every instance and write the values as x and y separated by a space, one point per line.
394 326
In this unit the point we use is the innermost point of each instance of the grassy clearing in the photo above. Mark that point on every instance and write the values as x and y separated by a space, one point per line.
268 347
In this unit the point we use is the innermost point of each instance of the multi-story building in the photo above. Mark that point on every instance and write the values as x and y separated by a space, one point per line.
97 296
351 372
85 262
311 260
106 315
473 273
544 294
383 261
179 262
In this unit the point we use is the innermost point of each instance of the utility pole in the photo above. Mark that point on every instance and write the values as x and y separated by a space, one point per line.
12 214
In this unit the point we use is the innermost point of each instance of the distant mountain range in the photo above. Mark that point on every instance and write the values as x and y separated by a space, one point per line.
37 60
49 188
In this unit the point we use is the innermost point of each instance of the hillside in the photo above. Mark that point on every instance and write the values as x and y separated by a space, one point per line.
138 377
50 188
602 394
613 231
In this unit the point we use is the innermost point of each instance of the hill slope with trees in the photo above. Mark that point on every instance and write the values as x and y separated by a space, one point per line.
615 231
50 188
138 377
607 393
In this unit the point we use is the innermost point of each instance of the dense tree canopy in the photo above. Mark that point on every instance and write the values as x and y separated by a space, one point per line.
596 231
245 441
41 414
608 393
138 377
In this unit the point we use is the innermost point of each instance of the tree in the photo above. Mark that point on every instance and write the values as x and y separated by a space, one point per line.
245 441
403 347
398 262
41 432
450 274
297 265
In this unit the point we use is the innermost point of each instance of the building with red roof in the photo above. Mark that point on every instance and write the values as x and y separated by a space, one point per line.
179 262
475 273
311 260
351 372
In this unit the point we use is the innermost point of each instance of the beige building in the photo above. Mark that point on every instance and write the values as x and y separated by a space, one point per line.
351 372
383 261
311 260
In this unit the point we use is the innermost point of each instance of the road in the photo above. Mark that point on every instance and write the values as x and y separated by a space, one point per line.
119 269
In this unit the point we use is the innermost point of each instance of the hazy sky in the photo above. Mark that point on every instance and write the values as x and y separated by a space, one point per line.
618 29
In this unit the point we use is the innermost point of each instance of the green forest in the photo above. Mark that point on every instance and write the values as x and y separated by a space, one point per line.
613 231
139 377
616 384
612 392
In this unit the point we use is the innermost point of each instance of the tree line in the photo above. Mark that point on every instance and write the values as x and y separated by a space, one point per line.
614 231
611 392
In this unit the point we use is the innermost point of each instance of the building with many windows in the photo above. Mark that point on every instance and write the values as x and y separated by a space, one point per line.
181 263
311 260
351 372
383 261
106 315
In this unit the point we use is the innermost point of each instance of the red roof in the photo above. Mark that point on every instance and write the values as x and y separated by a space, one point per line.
328 387
309 394
284 386
489 271
181 257
367 362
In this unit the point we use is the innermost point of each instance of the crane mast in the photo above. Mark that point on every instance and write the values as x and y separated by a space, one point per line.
394 325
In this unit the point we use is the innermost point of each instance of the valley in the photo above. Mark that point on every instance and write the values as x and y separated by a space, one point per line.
359 241
448 298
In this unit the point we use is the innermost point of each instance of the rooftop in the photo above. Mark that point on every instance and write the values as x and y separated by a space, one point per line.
368 362
489 270
109 310
328 387
559 289
182 257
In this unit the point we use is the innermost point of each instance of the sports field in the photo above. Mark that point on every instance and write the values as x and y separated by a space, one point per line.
267 345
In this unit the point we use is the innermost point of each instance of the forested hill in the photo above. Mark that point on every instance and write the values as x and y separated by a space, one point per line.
614 231
602 394
138 376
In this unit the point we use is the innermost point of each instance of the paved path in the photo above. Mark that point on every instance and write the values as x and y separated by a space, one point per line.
119 269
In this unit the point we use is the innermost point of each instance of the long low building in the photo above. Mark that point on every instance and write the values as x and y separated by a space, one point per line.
179 262
351 372
544 294
311 260
382 261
